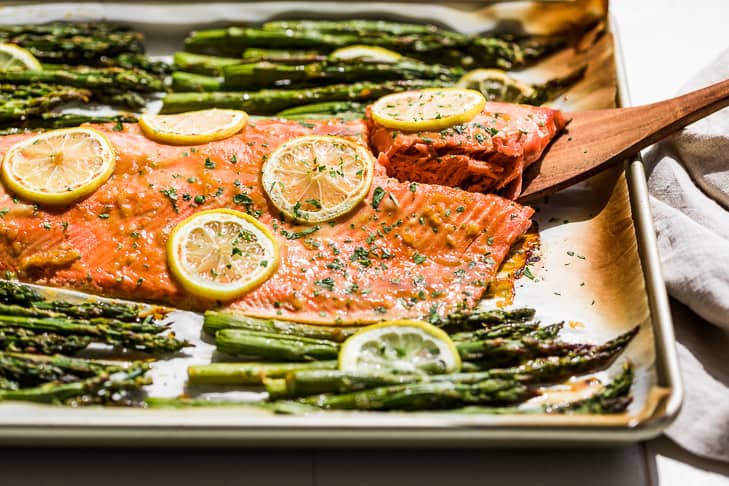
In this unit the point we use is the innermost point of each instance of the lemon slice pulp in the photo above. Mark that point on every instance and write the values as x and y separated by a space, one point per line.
427 109
402 346
14 57
365 53
496 84
317 178
193 127
221 253
59 166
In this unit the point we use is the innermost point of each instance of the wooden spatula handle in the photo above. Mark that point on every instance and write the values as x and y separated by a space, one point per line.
595 140
665 117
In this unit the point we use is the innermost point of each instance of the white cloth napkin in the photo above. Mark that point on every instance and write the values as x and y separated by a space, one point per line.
689 184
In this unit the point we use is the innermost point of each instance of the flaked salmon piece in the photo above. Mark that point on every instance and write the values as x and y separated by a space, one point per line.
487 154
424 248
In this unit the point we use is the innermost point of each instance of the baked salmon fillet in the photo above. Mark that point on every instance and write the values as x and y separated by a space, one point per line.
487 154
422 249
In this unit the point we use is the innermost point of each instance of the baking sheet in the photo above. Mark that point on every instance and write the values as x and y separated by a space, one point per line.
590 272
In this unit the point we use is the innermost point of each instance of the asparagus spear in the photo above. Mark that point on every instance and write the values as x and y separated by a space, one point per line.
274 346
234 40
120 97
425 396
182 81
200 64
536 371
58 379
262 74
216 320
73 44
23 340
49 121
131 60
248 373
116 333
282 55
501 350
422 42
185 402
31 370
91 78
27 311
470 320
271 101
327 109
553 369
508 330
547 332
612 398
361 27
21 101
89 310
6 384
94 390
60 29
90 313
301 383
18 294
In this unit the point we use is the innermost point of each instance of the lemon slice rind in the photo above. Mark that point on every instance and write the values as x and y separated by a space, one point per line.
234 252
313 179
14 57
473 78
366 53
401 346
193 127
47 169
428 109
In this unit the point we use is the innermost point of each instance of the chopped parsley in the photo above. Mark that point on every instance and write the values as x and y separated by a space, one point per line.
242 199
171 194
326 283
299 234
314 202
361 255
377 197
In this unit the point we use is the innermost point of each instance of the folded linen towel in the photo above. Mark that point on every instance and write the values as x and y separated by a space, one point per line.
689 185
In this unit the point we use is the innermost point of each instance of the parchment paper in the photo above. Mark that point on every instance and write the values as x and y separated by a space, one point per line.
589 273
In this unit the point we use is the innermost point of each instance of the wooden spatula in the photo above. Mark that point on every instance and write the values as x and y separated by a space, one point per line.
596 140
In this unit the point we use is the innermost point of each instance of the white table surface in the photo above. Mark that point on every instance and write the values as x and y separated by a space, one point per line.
664 42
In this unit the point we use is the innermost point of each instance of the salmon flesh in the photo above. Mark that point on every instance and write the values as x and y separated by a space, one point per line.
418 249
487 154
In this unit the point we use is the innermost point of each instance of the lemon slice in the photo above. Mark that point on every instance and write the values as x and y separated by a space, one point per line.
221 254
317 178
16 58
496 84
403 346
365 53
193 127
427 109
59 166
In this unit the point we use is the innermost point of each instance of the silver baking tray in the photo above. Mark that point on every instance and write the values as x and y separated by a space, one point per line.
615 285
